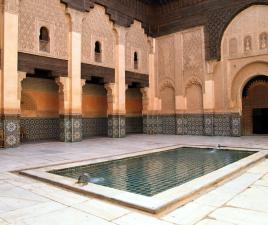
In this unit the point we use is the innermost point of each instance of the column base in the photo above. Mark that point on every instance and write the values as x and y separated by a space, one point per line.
116 126
9 131
71 128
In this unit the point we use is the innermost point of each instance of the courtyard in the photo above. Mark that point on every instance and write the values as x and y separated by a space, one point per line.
242 200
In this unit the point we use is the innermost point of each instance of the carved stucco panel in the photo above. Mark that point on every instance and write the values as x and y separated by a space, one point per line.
193 57
247 29
166 58
35 13
137 41
98 27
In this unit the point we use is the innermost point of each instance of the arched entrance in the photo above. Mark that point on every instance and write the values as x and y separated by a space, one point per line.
255 106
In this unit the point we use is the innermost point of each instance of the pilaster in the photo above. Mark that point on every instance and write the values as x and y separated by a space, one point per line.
10 96
70 91
116 92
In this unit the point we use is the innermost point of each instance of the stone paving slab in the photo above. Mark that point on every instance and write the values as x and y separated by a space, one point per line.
24 201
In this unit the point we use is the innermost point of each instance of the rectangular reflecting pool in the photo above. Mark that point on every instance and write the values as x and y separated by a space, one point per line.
154 173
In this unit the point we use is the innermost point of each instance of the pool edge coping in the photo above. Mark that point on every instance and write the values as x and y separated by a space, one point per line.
157 203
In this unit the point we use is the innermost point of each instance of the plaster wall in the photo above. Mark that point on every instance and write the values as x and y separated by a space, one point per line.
39 98
34 14
98 27
94 101
137 41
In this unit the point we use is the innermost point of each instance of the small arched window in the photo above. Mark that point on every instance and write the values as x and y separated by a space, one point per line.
247 44
98 52
263 40
44 40
136 61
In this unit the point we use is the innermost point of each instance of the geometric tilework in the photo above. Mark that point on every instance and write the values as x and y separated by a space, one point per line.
192 124
168 123
70 128
225 124
236 125
222 125
10 131
152 124
208 124
35 129
94 127
116 126
134 125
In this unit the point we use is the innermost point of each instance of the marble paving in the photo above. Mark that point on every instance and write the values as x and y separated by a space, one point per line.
24 201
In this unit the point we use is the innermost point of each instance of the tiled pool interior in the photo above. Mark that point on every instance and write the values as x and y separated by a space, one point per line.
157 172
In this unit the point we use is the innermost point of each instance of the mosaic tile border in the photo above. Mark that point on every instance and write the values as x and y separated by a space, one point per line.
116 126
92 127
134 124
209 124
71 128
10 133
35 129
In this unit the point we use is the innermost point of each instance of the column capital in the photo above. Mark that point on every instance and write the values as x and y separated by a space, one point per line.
83 82
11 6
76 19
22 76
211 65
110 88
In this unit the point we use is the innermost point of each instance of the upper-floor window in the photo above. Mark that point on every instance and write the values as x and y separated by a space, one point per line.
44 40
98 52
136 61
263 40
247 44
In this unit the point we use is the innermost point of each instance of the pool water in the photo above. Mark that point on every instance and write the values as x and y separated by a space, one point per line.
157 172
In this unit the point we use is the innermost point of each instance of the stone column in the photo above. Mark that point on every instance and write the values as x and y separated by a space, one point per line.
151 122
209 100
117 91
71 89
10 103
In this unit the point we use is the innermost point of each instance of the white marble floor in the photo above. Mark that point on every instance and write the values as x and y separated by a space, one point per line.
23 201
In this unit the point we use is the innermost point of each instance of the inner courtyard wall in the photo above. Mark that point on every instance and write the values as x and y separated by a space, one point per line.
39 109
177 90
94 110
181 65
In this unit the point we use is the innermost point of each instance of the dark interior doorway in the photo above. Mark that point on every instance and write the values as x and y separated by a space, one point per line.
260 121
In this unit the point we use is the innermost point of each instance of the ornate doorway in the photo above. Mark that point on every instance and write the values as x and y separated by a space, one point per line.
255 106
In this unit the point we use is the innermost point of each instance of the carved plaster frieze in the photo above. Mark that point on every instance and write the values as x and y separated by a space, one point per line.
76 19
11 6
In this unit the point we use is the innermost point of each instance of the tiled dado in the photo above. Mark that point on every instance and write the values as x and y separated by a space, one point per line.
71 128
34 129
134 125
9 131
94 127
226 124
116 126
152 124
